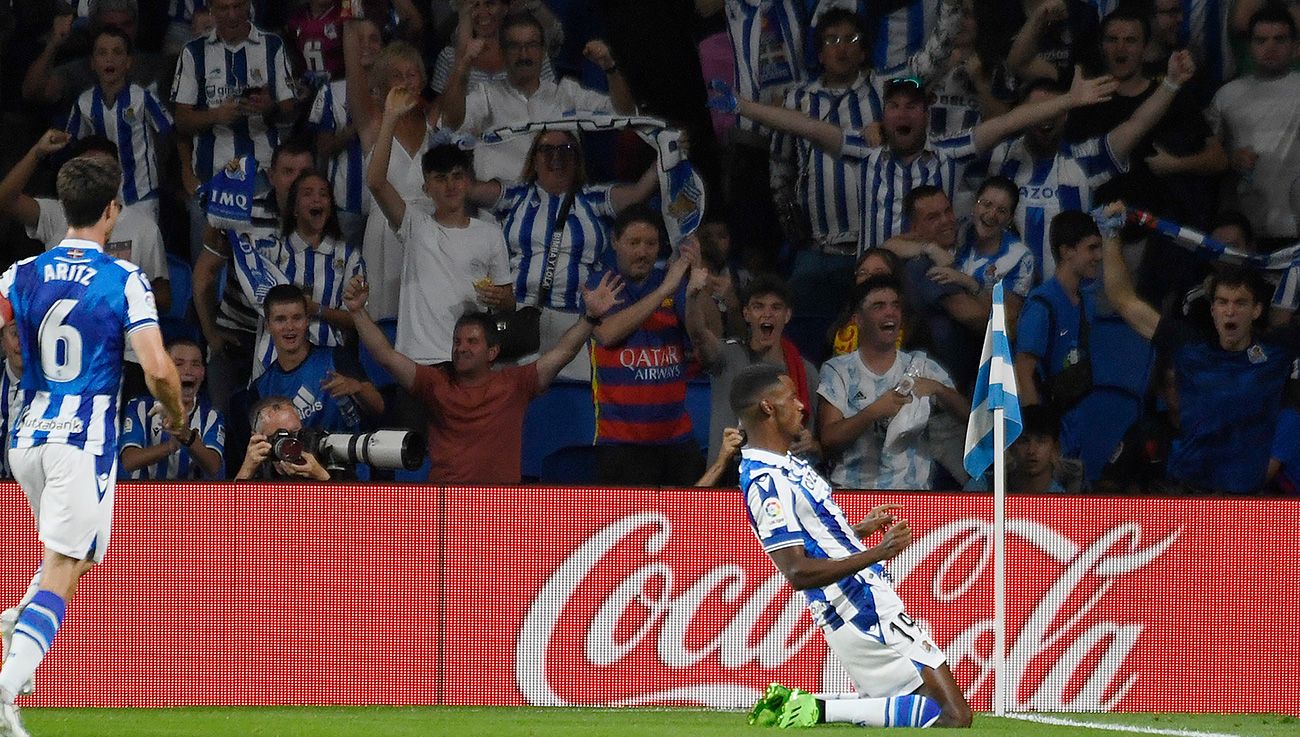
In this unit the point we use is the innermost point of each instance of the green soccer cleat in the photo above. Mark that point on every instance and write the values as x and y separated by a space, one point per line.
800 710
768 707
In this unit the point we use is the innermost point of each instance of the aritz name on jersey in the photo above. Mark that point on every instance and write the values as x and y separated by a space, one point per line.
652 364
79 273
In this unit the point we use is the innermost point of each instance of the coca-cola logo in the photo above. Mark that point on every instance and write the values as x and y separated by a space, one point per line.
619 611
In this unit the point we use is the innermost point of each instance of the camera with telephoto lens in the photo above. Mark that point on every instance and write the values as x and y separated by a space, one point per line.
388 449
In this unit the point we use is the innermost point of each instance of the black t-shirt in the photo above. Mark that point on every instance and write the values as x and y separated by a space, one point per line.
1182 131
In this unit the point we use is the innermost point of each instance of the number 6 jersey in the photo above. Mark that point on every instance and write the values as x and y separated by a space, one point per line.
74 306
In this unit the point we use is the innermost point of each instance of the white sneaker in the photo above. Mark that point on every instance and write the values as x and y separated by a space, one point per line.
11 723
8 621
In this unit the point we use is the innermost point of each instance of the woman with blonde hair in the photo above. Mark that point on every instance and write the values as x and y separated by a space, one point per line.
398 65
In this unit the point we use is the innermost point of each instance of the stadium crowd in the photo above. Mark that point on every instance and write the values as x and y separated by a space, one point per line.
424 213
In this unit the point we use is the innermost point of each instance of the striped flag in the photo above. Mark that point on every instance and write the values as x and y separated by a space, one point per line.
995 388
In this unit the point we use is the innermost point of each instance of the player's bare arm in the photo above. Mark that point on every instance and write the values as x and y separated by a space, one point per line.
804 572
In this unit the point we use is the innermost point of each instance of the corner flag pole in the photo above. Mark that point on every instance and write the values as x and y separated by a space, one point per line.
999 565
995 423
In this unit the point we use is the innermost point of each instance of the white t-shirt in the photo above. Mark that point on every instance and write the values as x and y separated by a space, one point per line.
439 269
494 103
1263 114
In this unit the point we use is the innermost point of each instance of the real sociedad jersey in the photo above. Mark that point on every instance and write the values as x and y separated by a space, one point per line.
767 43
209 72
142 429
75 307
828 187
347 170
1048 186
1012 261
790 505
302 385
886 179
527 214
127 120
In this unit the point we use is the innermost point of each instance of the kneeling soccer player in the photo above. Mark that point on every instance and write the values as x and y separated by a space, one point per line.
899 671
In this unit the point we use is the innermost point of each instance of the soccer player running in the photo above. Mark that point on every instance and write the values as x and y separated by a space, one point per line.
900 673
75 307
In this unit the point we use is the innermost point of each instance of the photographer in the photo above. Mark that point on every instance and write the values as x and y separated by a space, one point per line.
268 416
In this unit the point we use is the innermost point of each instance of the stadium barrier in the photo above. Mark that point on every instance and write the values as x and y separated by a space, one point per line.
254 594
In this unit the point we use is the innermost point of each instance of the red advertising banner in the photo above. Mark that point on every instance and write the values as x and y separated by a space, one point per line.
350 594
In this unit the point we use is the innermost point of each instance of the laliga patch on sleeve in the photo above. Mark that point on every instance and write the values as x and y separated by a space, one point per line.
773 516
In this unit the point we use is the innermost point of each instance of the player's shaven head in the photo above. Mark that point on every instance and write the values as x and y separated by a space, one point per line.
86 185
751 385
282 294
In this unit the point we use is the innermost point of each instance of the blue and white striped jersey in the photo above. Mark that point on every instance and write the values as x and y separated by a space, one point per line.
142 430
1287 294
767 38
849 386
1068 181
127 120
886 179
827 187
347 170
11 405
790 505
527 214
209 71
75 306
1012 262
901 34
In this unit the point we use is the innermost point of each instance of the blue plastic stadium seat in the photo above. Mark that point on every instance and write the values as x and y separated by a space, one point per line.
574 465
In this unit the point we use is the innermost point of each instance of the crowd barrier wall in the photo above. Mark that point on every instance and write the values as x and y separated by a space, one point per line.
256 594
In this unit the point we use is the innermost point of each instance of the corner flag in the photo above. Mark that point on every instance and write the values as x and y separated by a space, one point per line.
995 388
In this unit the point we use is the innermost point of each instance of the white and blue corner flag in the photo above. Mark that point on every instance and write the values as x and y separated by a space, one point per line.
995 388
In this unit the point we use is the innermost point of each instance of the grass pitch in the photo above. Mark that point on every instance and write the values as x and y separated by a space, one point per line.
566 722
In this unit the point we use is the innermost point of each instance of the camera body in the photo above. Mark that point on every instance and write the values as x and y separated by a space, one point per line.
387 449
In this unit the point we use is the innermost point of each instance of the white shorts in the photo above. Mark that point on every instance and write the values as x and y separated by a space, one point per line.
71 495
886 660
